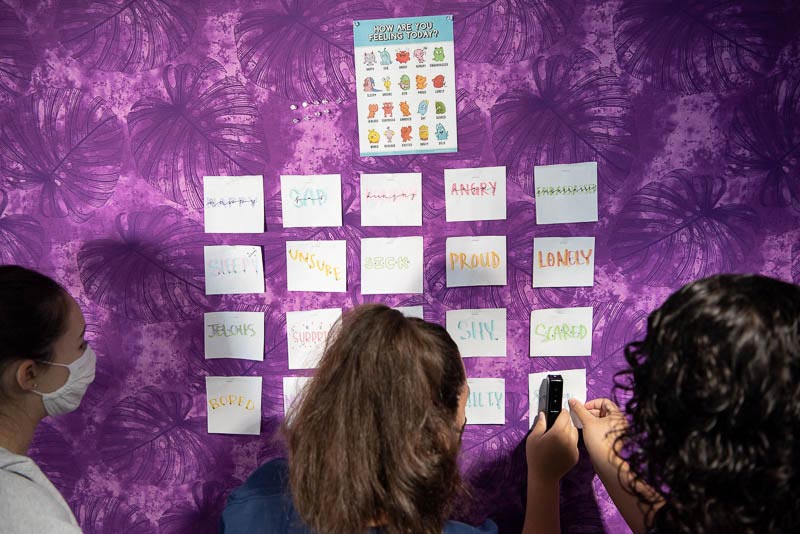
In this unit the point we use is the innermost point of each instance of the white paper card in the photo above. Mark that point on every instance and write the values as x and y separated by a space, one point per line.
233 204
478 332
234 335
411 311
476 261
306 334
561 332
316 266
475 194
574 388
234 404
566 193
233 269
391 199
563 261
391 265
486 404
292 387
311 201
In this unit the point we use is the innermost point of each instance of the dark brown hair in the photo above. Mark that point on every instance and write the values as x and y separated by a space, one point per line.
374 437
715 407
33 315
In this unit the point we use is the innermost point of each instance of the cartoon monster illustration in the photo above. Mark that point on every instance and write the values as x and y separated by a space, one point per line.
404 109
438 54
440 109
405 133
386 59
438 81
373 108
402 56
387 83
423 133
369 58
419 53
373 136
387 109
405 82
441 132
369 85
423 107
422 82
389 133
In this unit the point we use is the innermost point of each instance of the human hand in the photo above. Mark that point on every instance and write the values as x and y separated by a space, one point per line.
551 453
602 422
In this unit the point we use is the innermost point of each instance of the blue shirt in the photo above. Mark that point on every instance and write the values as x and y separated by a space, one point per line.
263 505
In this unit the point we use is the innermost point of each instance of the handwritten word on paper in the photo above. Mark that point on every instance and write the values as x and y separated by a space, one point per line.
391 265
475 194
233 204
563 261
566 193
316 266
561 332
293 386
478 332
233 269
234 404
391 199
411 311
486 403
311 201
234 335
306 334
574 388
476 261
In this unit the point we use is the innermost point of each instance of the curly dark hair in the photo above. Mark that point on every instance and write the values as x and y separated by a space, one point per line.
374 437
714 407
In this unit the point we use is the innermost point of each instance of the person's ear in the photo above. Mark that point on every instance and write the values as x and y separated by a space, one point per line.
26 375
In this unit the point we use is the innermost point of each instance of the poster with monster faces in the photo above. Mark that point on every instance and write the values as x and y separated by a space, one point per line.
406 86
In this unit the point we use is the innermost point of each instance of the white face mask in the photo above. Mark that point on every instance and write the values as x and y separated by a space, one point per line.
68 397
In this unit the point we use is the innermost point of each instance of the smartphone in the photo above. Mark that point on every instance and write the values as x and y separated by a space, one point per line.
554 390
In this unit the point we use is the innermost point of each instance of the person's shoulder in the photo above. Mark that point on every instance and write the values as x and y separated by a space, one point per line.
263 504
271 479
27 507
454 527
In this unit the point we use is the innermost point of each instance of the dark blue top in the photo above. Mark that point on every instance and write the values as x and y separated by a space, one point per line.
263 505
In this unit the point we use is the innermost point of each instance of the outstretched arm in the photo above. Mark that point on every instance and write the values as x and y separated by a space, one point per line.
550 454
602 423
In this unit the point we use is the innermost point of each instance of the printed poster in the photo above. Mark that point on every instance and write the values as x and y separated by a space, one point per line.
406 85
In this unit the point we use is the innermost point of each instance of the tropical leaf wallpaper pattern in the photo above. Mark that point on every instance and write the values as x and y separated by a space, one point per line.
112 112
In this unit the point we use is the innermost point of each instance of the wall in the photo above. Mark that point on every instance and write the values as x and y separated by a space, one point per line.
111 116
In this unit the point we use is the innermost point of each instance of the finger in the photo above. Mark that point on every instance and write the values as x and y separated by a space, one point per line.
562 421
580 411
596 404
540 426
608 407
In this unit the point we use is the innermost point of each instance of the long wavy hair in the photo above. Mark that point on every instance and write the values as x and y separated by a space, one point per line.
374 438
714 407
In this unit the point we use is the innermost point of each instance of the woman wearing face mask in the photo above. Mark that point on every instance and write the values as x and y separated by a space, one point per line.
45 368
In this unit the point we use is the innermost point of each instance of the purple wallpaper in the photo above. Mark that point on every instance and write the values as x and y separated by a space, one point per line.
112 112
